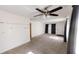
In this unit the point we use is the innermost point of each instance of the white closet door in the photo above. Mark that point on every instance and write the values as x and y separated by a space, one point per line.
13 35
15 31
2 35
2 30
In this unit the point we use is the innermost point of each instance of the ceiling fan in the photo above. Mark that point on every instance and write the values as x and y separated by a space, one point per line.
46 12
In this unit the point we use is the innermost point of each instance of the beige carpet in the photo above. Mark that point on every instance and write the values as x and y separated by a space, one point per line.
43 44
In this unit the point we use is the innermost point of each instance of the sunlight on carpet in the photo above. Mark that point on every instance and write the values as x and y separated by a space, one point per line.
30 53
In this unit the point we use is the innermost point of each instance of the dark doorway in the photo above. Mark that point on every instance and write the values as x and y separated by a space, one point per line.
46 28
53 28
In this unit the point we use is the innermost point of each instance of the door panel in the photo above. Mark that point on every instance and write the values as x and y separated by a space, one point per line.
46 28
53 28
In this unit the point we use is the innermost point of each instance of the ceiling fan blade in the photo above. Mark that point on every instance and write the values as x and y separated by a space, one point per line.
56 9
38 15
40 10
47 7
53 14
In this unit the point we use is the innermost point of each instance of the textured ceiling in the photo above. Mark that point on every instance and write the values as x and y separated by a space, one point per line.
29 10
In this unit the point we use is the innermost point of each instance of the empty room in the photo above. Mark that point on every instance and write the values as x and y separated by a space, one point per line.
35 29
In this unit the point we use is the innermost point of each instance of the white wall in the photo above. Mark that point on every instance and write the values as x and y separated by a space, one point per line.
37 28
49 28
60 27
14 31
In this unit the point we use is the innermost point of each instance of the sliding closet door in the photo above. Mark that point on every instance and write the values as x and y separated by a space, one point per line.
46 28
53 28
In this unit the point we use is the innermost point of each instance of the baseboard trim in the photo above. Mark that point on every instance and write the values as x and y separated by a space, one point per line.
59 35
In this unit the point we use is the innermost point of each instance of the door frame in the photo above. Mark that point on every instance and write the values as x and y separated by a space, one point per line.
30 30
